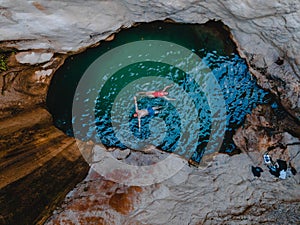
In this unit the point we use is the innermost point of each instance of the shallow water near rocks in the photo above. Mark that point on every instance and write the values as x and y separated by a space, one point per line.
210 42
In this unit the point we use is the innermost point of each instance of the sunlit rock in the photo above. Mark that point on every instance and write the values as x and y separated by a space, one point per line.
33 57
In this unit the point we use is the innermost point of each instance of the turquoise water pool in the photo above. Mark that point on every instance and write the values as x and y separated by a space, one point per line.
210 42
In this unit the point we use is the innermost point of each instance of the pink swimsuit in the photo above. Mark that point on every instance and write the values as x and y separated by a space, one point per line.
158 94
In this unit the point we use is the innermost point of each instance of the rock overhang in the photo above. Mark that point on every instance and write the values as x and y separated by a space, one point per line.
263 31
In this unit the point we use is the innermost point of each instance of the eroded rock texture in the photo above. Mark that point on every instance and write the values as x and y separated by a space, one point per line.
23 85
224 193
38 163
37 36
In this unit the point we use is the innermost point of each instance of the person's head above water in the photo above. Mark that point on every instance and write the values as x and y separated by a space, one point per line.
135 115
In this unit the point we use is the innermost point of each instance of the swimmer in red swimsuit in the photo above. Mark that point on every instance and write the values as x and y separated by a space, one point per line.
157 94
139 113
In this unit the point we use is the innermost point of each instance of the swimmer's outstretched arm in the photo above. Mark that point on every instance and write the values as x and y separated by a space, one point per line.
167 87
137 110
135 103
139 121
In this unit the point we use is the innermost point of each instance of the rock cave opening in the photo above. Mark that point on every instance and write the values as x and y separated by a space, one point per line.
211 42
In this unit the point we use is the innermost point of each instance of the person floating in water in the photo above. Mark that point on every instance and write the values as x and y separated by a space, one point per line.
157 94
139 113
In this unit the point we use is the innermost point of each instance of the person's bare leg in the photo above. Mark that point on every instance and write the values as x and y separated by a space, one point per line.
156 107
156 111
146 93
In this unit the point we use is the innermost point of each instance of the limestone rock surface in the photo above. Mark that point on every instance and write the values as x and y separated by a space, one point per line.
225 192
33 57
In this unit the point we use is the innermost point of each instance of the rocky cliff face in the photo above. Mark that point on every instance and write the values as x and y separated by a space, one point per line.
267 33
36 36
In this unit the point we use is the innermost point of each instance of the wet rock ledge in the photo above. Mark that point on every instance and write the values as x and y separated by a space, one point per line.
39 164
